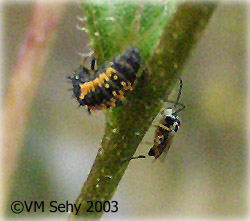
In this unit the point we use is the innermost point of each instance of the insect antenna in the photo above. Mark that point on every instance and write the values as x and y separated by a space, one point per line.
179 94
177 101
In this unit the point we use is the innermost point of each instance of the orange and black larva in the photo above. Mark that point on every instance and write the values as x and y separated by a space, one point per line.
104 88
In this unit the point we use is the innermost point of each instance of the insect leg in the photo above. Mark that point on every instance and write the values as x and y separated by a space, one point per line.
180 109
93 64
182 106
138 157
89 111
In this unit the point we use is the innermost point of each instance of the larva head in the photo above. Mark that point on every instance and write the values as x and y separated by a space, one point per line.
128 63
136 58
81 76
135 52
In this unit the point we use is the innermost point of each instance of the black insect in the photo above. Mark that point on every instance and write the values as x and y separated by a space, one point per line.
164 133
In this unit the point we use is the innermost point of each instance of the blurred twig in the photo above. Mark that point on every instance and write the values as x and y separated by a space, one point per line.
127 125
24 84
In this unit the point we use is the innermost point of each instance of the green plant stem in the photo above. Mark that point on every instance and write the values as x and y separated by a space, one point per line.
127 125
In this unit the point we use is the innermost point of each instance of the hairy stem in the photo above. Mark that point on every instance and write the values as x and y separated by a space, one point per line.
127 125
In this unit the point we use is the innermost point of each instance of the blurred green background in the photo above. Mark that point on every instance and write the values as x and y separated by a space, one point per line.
205 173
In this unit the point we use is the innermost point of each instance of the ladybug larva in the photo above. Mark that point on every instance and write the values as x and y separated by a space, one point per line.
101 89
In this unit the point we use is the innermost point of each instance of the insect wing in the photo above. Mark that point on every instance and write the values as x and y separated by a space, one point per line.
166 149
